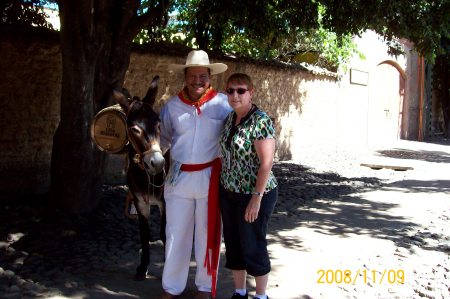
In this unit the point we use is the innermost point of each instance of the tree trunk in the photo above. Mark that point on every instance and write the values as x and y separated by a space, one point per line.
441 83
445 99
446 110
96 39
76 164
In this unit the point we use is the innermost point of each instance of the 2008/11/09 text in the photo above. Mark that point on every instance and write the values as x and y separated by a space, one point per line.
338 276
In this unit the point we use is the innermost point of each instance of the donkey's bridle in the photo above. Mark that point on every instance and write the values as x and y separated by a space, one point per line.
139 154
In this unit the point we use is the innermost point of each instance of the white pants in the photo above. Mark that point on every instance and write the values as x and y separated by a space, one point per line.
187 222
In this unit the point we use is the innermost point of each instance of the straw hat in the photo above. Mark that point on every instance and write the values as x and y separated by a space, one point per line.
199 58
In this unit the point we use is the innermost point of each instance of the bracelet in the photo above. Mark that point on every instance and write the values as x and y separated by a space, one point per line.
259 194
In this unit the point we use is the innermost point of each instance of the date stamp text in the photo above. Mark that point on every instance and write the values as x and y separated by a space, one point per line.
345 276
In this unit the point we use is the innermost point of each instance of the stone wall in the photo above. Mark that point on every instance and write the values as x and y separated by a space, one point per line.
30 79
309 108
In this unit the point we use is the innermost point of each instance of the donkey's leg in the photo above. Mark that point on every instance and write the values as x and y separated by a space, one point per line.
144 233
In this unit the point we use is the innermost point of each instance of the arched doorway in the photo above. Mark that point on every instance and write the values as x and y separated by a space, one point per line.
387 89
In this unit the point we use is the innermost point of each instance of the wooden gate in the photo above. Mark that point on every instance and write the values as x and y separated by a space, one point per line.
387 87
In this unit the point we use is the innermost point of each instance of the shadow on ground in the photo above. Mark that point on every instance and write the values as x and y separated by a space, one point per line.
46 251
333 205
421 155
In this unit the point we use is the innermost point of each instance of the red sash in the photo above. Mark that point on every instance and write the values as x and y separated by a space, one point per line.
208 95
214 224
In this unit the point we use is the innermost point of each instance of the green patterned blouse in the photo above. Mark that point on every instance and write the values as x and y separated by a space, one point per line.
240 162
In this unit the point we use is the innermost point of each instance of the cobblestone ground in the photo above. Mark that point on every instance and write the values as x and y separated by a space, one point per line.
330 218
387 228
45 254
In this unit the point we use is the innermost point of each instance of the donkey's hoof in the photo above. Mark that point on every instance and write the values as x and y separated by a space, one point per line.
140 276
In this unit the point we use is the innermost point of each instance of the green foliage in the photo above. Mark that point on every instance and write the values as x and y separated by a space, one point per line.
261 28
279 30
424 22
155 31
325 48
24 13
165 31
336 51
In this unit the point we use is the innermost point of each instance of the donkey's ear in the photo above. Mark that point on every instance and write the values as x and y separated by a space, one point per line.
150 97
121 99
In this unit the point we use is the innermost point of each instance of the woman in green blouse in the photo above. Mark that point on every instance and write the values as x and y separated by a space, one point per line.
248 190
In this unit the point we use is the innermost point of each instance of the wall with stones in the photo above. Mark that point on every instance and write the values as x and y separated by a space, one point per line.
283 92
30 79
310 109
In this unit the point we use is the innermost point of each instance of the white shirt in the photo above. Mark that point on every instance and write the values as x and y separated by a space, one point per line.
193 138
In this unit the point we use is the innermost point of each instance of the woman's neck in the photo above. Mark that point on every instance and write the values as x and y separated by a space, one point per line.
241 114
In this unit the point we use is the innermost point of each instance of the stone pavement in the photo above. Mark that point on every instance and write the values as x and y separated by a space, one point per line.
339 230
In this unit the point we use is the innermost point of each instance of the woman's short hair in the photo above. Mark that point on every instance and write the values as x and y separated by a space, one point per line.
241 78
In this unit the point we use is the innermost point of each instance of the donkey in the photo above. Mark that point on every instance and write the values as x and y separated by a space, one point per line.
146 169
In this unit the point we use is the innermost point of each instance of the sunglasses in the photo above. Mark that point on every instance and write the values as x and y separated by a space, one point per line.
239 90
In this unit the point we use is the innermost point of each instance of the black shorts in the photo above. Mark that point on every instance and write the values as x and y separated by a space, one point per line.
245 243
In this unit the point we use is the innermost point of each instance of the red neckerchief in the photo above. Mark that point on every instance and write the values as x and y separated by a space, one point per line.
208 95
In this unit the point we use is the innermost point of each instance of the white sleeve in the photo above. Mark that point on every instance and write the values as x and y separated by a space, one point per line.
166 128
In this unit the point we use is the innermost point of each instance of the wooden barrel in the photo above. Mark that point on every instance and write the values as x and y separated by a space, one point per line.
109 130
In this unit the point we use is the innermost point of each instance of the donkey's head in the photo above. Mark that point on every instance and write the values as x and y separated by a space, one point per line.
143 128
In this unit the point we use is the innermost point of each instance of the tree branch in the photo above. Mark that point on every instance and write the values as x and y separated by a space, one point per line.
151 18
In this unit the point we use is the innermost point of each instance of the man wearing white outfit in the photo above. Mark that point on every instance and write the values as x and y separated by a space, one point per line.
191 123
